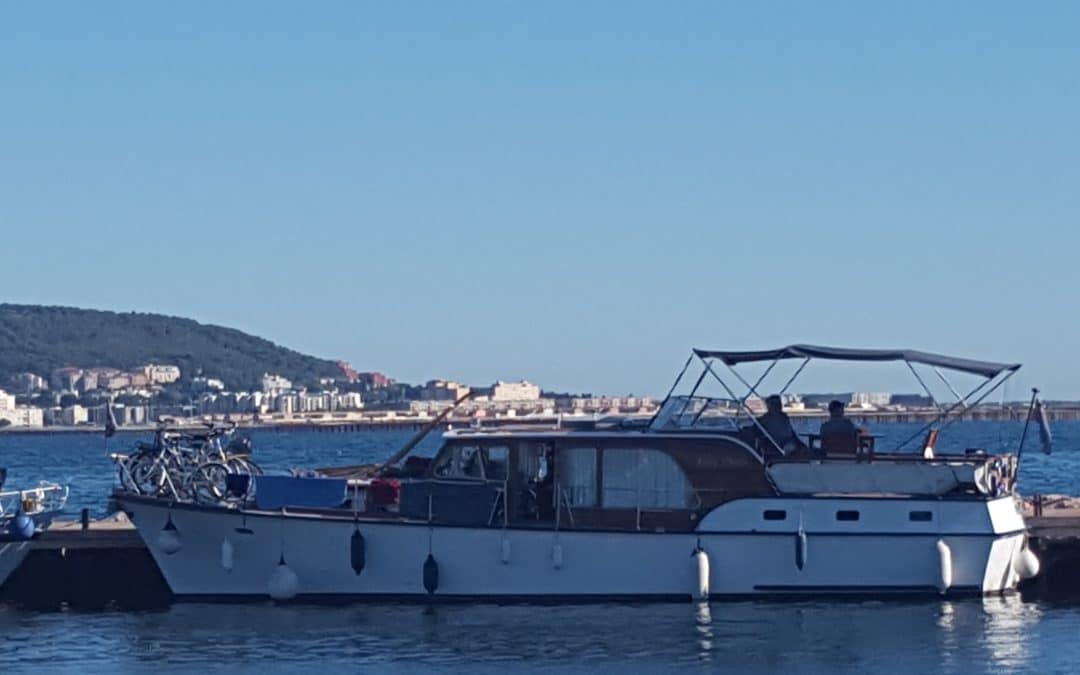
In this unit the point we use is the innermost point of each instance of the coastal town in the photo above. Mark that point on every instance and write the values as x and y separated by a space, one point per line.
77 398
73 397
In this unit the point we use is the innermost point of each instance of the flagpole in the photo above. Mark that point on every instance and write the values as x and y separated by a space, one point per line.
1027 423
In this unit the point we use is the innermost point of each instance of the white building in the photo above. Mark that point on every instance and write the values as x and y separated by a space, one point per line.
225 403
207 384
350 400
75 414
515 391
443 390
612 404
23 416
28 383
275 384
7 401
870 399
158 374
286 404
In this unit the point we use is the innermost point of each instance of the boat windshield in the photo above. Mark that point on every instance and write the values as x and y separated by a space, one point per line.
702 413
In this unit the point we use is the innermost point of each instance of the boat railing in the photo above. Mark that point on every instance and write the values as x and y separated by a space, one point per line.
45 498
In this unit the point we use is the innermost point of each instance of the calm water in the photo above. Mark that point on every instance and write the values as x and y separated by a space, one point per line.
972 636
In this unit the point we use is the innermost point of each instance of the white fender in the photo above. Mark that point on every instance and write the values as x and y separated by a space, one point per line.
801 546
701 560
226 554
168 540
283 582
556 555
506 550
1026 563
945 561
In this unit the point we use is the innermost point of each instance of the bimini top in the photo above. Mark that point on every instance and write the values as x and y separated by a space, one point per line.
985 368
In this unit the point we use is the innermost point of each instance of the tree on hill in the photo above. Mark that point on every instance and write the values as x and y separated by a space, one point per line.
40 339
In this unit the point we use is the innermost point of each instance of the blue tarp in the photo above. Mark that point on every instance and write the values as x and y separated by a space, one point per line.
276 492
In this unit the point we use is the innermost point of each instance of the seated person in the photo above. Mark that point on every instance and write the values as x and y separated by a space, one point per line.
839 435
777 425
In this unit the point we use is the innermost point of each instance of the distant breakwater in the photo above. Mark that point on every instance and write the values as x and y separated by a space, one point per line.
378 422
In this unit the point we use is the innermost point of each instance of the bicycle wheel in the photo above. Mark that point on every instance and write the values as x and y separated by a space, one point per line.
241 464
127 482
147 474
207 482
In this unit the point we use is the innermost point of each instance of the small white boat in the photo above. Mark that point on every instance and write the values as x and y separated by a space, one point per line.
690 505
23 514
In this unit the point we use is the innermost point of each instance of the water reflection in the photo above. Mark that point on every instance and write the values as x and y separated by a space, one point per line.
703 617
964 636
1008 625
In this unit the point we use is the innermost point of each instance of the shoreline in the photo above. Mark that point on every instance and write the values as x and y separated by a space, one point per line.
415 423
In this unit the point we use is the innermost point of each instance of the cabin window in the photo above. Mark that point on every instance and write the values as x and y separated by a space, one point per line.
775 514
533 462
496 461
459 461
576 469
847 515
920 516
644 478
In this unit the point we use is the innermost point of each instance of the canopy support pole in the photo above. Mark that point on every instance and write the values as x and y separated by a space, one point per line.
751 412
966 406
679 377
925 388
690 396
752 390
798 372
947 383
674 384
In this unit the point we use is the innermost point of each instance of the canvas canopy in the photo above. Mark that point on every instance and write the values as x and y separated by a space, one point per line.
987 369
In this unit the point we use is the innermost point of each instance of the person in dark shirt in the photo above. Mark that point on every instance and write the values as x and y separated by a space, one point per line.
838 433
777 425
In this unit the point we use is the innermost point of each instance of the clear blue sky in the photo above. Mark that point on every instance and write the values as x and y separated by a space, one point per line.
573 192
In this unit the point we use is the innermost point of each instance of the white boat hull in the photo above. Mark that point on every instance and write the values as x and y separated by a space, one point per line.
225 554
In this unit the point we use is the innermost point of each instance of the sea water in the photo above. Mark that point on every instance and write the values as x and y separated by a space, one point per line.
998 635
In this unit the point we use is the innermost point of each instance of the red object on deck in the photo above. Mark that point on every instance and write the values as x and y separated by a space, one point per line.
385 491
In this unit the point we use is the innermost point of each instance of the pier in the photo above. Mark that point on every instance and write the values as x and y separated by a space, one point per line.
103 564
88 565
412 421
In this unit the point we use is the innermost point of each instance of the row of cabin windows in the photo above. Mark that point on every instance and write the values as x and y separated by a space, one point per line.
470 461
632 477
914 516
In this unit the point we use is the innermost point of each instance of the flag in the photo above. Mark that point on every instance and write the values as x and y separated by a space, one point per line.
1044 426
110 419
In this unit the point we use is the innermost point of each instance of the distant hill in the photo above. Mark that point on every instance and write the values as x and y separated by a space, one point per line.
38 339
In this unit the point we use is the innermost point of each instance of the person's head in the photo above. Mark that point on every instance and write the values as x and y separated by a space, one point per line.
773 404
836 409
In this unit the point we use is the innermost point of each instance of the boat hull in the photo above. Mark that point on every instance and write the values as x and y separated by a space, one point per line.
231 555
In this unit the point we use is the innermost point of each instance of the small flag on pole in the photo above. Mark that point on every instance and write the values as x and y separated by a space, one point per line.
110 419
1044 427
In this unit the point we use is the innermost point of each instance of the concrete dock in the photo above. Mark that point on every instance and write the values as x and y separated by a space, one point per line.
103 564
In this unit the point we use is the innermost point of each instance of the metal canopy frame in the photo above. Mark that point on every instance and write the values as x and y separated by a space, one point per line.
994 376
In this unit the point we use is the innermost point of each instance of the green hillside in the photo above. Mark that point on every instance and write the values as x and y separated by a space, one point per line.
38 339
